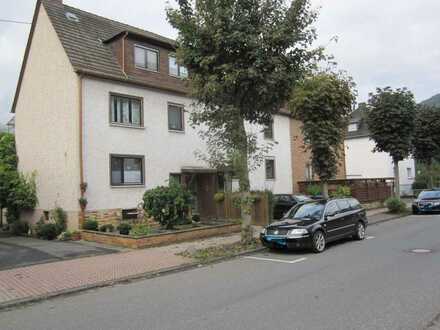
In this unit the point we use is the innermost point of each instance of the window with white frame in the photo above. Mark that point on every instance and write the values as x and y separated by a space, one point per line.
409 172
126 110
268 131
176 117
146 58
270 169
353 127
126 170
175 69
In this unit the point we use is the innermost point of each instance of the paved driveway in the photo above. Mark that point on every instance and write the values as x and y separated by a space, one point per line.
24 251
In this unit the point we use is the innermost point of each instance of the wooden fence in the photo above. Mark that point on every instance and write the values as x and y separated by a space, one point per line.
364 190
259 213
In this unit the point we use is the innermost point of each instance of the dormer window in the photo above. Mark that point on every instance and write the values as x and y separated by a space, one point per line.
353 127
146 58
176 70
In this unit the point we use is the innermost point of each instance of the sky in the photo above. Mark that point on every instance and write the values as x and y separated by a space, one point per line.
380 43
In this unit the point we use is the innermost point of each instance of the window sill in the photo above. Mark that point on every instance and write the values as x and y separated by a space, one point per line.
129 186
145 69
271 180
176 131
126 126
177 77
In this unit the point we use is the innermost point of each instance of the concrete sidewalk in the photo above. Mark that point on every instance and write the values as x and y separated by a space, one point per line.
45 280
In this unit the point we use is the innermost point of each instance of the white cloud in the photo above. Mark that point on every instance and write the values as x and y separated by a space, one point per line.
381 43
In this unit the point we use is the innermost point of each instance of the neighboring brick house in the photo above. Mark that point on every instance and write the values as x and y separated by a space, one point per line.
363 163
103 103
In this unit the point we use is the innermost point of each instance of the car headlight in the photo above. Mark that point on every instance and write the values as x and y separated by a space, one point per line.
263 231
297 233
436 204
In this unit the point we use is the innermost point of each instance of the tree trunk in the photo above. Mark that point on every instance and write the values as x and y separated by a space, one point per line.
242 170
396 178
325 189
1 216
431 176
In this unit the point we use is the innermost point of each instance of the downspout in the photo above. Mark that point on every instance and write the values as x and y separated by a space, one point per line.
81 151
123 54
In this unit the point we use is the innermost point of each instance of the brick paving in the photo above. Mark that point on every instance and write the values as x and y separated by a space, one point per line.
33 282
48 279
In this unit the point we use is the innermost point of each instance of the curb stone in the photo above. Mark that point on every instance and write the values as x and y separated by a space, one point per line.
123 280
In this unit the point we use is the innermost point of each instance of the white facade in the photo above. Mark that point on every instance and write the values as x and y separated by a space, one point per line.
362 162
47 124
165 151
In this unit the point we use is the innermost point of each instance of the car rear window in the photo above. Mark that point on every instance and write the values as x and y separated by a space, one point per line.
354 204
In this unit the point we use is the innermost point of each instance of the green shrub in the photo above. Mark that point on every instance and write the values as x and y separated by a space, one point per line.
19 228
65 236
124 228
341 192
90 224
59 216
47 231
314 190
107 228
196 218
168 205
219 197
140 229
395 205
419 185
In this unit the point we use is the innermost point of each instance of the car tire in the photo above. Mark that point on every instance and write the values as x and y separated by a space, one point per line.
360 231
416 212
318 242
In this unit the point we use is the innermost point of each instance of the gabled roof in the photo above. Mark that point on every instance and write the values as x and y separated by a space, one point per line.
11 122
359 117
86 41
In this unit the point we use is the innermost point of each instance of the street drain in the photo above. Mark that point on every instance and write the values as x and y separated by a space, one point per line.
421 251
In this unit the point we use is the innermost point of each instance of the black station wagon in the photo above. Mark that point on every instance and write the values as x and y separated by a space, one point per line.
428 201
313 224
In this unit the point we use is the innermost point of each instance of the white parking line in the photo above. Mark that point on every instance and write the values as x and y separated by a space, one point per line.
277 260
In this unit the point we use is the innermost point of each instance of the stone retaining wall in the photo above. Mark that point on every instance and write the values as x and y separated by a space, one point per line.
159 239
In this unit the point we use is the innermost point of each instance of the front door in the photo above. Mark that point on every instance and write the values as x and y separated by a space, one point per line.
206 188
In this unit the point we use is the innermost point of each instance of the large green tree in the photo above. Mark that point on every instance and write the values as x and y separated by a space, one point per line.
17 191
391 119
426 140
323 103
243 57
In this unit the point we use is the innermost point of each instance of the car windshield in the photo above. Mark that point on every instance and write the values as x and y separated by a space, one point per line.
307 211
429 195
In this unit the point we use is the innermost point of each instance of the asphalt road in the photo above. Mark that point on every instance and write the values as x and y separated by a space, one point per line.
374 284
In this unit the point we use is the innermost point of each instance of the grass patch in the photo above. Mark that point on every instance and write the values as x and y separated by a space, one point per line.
222 251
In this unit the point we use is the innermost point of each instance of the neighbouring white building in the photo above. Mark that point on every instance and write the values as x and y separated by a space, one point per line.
102 113
362 162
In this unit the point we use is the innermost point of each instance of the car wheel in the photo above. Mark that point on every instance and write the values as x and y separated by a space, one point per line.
415 212
360 231
318 242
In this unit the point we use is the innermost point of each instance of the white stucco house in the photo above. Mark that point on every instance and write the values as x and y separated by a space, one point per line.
362 162
102 112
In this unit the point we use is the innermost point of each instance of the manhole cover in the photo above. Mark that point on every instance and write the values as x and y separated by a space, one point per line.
421 251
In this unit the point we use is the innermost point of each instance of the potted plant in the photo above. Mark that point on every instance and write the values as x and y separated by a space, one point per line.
83 202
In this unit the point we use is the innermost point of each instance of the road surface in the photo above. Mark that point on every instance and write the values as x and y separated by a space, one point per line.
375 284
